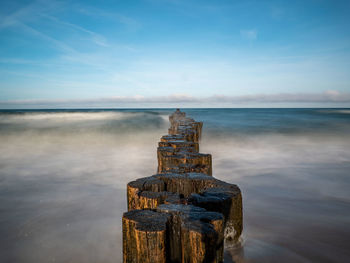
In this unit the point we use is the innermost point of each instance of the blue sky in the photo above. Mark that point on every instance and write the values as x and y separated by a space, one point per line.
164 52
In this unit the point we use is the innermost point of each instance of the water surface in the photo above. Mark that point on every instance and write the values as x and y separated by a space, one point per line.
63 175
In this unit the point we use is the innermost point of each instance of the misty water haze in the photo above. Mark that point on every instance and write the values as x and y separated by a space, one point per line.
63 177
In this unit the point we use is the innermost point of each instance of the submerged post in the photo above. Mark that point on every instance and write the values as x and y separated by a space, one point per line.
182 213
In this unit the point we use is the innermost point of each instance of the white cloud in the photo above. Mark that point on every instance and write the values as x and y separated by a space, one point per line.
127 21
60 45
325 98
249 34
333 93
96 38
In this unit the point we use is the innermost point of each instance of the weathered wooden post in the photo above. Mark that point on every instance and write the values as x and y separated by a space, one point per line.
144 236
182 213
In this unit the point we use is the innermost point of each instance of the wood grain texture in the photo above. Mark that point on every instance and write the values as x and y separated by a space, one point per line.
182 213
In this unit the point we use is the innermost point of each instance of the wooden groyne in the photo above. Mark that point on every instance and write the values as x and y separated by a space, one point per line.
182 213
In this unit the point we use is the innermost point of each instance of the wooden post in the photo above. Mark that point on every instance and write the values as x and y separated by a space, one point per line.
182 213
144 236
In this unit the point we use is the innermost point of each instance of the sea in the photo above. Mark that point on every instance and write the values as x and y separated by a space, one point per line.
63 176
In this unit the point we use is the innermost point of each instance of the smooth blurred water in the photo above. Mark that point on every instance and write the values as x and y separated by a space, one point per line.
63 175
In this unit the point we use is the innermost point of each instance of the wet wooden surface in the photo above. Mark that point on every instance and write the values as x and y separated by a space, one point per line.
182 213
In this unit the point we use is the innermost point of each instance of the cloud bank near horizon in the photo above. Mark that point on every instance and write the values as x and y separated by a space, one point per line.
326 99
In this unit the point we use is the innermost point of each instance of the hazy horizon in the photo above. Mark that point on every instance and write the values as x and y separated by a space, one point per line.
157 108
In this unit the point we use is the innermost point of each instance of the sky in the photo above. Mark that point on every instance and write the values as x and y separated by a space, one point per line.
168 53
